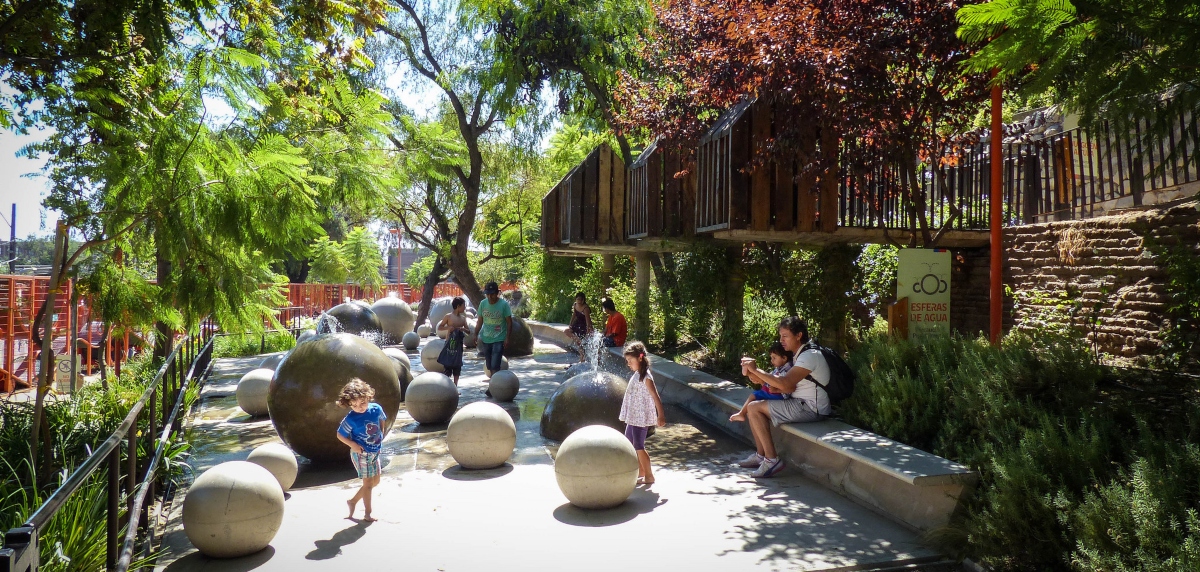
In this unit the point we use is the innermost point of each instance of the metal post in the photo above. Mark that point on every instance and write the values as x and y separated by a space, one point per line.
996 293
12 241
114 493
131 469
73 336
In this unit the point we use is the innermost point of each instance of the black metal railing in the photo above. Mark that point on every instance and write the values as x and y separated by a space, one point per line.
159 407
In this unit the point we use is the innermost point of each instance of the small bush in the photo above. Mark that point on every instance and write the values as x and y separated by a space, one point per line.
1068 479
239 345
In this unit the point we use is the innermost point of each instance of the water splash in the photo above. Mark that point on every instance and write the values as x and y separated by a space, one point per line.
327 324
591 345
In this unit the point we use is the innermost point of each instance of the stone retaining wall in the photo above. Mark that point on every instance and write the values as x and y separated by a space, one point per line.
1095 274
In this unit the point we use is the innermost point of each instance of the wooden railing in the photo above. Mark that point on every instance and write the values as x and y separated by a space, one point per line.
660 203
590 202
159 412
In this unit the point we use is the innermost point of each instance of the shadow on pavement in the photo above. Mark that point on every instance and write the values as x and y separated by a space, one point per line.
641 501
457 473
197 561
327 549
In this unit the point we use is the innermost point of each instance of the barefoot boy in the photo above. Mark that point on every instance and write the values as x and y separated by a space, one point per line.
362 431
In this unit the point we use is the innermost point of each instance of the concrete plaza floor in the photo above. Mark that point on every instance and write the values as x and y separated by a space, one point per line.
701 514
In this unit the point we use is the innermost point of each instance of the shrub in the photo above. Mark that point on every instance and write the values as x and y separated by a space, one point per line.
238 345
1068 478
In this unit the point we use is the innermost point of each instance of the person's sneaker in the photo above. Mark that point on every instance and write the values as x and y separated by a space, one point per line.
769 468
752 461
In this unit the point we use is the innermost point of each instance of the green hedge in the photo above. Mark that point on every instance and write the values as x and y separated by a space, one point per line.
238 345
1072 478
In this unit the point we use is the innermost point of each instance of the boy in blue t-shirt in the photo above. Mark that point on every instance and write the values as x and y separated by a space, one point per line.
362 431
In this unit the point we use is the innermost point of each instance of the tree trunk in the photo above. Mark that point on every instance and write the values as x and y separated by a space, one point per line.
47 349
641 305
729 345
431 281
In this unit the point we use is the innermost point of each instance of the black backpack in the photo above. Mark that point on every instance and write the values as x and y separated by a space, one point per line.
841 377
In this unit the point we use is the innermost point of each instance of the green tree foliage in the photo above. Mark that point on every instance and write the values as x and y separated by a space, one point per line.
1105 59
357 259
576 48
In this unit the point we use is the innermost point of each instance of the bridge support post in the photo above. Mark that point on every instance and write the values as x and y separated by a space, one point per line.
608 262
641 312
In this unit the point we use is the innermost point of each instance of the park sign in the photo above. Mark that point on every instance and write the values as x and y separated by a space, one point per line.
923 276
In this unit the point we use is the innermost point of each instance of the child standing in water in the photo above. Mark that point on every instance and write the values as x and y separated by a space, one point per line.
641 408
362 431
455 325
781 359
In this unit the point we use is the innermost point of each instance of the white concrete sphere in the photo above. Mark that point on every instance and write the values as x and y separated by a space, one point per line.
431 398
424 330
487 372
469 340
402 363
504 385
306 335
395 316
233 509
596 467
411 340
429 355
252 391
279 460
272 360
481 436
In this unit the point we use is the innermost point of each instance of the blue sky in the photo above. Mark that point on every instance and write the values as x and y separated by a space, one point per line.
25 191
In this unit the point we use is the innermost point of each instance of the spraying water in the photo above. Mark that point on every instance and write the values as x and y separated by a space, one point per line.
327 324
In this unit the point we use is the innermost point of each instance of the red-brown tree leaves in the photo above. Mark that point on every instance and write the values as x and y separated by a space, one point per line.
884 75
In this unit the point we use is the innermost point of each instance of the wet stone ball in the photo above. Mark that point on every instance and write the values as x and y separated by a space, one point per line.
303 397
591 398
353 317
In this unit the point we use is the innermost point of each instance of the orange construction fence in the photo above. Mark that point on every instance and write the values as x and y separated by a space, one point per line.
21 296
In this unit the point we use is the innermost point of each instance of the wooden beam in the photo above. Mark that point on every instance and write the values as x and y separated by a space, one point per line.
851 235
604 234
760 177
739 180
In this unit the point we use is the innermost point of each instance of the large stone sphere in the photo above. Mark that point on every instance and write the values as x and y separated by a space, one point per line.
469 340
403 368
442 306
520 339
252 391
411 340
279 460
271 361
303 398
233 509
424 330
579 368
429 355
481 436
591 398
395 316
353 317
432 398
596 467
306 335
503 366
504 385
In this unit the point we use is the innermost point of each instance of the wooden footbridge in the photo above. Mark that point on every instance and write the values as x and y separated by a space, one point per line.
669 197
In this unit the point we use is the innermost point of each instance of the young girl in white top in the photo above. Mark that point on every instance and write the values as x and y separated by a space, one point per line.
641 408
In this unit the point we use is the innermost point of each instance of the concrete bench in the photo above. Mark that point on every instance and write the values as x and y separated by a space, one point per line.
910 486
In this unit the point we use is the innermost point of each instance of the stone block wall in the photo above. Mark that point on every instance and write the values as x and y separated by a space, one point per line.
1097 269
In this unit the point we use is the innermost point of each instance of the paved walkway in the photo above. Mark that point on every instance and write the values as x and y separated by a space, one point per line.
702 514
